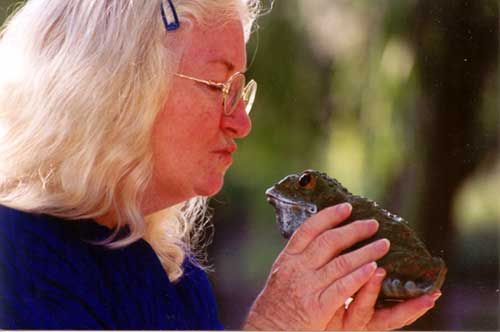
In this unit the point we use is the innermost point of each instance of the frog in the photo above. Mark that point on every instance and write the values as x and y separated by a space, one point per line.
411 271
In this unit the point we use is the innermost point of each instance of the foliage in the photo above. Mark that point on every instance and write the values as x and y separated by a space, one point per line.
372 92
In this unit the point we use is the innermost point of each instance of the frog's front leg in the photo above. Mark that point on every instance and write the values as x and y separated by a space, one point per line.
411 276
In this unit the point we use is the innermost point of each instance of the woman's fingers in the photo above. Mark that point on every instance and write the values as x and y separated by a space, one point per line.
343 265
361 310
434 297
332 242
402 314
334 295
337 321
315 225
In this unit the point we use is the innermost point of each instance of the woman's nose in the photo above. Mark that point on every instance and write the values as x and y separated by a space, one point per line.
238 123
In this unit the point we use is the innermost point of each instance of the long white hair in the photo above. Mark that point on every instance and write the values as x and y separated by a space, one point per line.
80 88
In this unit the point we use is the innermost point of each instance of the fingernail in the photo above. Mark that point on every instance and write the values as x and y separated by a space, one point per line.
436 295
370 267
344 208
372 224
382 245
380 273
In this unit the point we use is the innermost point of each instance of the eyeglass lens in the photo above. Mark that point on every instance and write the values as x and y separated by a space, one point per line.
249 95
235 93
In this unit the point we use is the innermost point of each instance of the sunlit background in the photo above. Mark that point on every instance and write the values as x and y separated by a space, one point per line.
398 100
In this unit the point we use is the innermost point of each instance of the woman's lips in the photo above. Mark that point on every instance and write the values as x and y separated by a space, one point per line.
226 153
227 149
225 156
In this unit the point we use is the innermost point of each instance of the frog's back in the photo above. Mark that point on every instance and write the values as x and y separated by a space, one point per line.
391 226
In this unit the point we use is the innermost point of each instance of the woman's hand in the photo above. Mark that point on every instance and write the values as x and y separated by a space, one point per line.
362 315
310 280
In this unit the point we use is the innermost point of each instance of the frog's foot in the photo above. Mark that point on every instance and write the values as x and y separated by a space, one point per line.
401 287
396 288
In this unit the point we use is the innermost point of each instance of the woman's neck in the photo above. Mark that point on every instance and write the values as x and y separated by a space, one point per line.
108 220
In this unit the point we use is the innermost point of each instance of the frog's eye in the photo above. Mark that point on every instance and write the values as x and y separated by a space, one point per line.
307 181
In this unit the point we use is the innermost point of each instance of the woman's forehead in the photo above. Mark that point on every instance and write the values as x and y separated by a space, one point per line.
223 45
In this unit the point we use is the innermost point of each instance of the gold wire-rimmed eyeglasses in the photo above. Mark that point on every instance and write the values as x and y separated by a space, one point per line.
233 91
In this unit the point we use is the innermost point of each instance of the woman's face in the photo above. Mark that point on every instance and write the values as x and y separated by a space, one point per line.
193 141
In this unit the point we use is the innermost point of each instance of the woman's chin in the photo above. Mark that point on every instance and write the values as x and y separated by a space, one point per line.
211 187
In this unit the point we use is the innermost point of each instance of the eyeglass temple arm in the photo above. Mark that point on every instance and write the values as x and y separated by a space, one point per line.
217 84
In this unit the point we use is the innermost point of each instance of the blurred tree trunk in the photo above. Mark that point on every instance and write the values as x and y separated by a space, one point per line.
456 43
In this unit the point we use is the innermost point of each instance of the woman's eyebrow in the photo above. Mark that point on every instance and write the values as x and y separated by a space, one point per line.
230 66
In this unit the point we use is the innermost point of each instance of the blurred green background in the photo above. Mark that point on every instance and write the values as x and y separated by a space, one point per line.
398 100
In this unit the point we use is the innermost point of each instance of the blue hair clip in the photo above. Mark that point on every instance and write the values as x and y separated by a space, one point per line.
174 24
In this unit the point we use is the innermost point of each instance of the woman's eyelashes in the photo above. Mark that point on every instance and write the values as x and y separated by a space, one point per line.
212 88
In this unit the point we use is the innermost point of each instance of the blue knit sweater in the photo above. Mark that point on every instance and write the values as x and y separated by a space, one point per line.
52 278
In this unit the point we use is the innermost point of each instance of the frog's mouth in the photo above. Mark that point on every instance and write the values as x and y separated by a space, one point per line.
290 214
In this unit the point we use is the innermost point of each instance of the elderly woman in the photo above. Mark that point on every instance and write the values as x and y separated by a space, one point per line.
117 119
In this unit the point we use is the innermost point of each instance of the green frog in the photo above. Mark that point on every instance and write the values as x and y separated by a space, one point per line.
411 270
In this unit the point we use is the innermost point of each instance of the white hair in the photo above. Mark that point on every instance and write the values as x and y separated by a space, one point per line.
79 93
